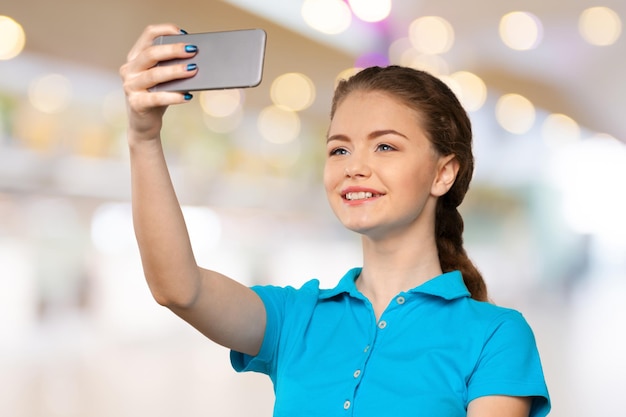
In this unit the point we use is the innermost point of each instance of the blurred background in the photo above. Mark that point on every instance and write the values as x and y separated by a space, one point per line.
543 82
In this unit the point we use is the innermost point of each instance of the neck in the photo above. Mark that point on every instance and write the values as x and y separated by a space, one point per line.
390 267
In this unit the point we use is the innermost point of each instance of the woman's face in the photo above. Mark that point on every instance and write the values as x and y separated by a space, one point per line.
382 175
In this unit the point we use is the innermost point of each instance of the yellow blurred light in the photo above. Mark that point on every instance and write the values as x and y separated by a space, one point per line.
93 142
12 38
431 35
220 103
515 113
327 16
472 91
559 130
224 124
600 26
371 10
521 30
36 130
433 64
398 48
347 73
50 93
278 124
293 90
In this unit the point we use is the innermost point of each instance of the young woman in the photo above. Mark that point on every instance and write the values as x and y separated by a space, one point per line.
409 333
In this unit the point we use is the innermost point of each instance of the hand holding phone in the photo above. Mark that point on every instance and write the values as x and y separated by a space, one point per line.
229 59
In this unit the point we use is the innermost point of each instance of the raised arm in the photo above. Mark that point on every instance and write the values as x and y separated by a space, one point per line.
222 309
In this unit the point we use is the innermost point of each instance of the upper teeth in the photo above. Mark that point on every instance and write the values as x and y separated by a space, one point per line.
358 196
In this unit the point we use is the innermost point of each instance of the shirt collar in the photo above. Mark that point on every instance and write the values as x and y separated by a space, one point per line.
448 286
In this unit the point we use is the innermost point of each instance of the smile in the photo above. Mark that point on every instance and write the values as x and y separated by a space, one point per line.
361 195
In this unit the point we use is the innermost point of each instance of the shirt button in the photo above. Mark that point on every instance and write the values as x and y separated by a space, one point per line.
366 348
346 405
400 300
357 373
382 324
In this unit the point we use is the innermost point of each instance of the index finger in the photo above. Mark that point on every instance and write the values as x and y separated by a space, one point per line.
149 34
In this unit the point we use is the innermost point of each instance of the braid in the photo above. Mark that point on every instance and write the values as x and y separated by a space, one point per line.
452 255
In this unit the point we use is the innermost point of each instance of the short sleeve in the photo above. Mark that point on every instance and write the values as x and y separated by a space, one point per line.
274 300
509 364
285 308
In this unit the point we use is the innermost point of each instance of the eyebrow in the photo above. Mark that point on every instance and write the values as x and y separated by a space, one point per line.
373 135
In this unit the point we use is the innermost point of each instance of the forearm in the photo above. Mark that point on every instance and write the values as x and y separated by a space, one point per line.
166 253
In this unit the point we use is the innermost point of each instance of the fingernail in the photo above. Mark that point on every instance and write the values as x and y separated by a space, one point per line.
191 67
183 32
187 96
191 48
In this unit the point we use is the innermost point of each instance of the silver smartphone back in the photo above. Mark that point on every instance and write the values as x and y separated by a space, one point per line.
229 59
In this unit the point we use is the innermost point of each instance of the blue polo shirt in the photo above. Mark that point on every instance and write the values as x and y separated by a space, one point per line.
433 350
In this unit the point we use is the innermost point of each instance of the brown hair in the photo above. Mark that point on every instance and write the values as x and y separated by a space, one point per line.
449 129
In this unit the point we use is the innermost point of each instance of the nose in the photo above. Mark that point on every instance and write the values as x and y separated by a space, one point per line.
357 166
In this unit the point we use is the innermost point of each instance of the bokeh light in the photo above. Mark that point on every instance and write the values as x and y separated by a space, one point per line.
295 91
346 73
398 48
371 10
431 35
433 64
278 124
560 130
600 26
224 124
327 16
521 30
12 38
220 103
515 113
50 93
470 89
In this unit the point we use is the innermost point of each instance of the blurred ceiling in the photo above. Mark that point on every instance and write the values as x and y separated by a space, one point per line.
563 75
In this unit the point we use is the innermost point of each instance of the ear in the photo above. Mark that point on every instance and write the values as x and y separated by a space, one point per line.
447 169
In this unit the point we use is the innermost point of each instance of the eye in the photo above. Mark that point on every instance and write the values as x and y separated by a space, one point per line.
384 147
337 151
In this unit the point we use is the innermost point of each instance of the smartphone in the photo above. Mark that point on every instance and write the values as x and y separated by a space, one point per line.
229 59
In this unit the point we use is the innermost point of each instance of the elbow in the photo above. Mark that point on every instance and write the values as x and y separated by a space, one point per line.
173 297
162 299
172 301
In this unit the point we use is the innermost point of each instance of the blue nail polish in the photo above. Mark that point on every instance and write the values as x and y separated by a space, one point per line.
191 48
188 96
183 32
191 67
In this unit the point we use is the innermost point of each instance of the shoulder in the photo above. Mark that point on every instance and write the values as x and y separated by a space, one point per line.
280 297
493 315
310 290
